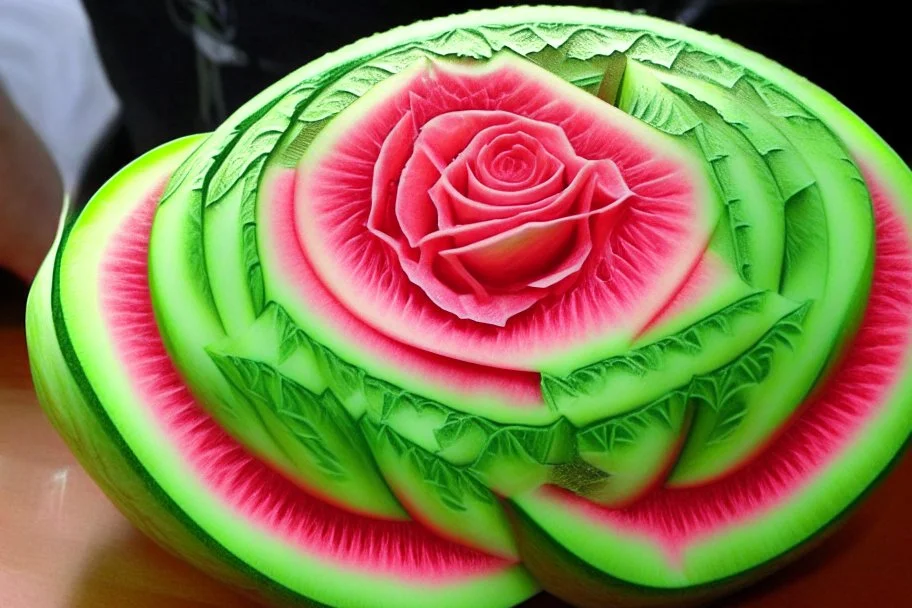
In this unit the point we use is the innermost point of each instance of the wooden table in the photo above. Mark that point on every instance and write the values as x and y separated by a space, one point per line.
62 544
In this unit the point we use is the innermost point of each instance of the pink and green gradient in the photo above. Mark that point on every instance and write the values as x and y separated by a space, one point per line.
533 297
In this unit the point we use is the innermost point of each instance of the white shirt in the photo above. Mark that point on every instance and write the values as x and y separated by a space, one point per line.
49 67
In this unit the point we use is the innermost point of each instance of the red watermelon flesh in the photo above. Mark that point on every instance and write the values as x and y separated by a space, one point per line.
700 283
858 386
646 203
251 487
468 287
520 389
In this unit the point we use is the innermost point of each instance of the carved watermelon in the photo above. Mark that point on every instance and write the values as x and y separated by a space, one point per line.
534 296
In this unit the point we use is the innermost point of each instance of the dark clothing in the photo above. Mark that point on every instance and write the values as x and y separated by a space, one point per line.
181 66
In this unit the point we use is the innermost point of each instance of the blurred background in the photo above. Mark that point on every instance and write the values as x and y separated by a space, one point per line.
87 85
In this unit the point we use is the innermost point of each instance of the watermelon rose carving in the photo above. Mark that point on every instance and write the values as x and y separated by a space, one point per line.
530 298
489 195
491 211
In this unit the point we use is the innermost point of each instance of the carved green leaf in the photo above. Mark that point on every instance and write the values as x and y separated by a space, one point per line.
591 41
222 165
656 50
521 39
704 66
648 357
179 176
787 185
580 477
333 102
307 416
622 430
555 34
587 75
196 253
544 445
254 146
252 266
678 113
780 103
307 131
345 378
462 428
460 42
254 269
722 390
400 58
452 483
286 332
312 434
347 89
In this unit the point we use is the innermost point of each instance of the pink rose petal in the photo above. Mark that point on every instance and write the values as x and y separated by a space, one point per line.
395 151
519 255
568 202
527 254
645 244
515 166
434 148
548 180
455 208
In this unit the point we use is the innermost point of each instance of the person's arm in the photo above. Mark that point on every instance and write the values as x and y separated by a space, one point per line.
31 194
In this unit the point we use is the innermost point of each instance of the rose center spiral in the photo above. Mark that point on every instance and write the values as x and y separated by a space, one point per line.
513 165
512 161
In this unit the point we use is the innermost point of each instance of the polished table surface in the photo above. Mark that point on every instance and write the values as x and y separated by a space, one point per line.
62 544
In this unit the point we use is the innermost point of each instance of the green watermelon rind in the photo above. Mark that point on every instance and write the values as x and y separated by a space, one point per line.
846 206
758 239
240 163
883 436
846 478
313 429
556 358
74 409
140 439
412 383
544 417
